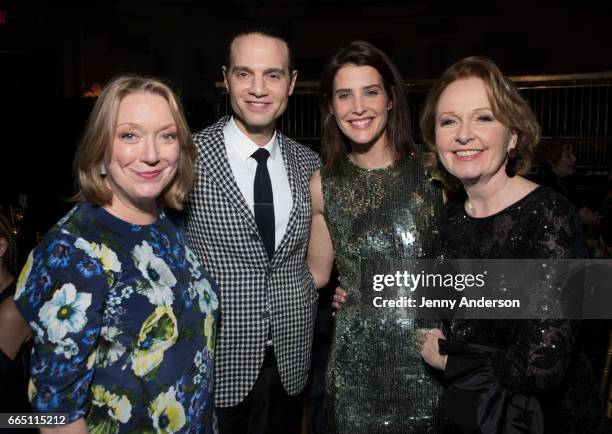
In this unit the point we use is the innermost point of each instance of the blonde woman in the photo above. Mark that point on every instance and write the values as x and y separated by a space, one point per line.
122 314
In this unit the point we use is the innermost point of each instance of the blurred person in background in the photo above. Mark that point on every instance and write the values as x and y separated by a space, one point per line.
556 163
14 331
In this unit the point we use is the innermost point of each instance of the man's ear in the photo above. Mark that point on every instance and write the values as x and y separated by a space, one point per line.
293 78
225 71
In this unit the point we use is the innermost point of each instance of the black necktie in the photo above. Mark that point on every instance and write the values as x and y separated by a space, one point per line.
264 203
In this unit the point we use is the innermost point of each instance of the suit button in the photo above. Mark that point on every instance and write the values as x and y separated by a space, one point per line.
265 314
254 237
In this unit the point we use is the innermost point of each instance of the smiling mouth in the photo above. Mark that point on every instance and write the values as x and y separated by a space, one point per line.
467 153
257 104
149 174
360 123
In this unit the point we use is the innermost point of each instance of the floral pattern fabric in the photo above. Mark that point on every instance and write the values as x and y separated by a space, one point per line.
124 321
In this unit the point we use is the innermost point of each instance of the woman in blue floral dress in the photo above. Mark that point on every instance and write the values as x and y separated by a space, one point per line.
122 313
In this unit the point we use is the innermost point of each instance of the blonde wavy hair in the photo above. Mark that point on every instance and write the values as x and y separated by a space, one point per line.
95 146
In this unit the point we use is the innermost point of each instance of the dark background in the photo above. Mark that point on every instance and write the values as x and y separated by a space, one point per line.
51 53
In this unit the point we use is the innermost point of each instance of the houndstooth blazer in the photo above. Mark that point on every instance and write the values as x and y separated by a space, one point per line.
254 291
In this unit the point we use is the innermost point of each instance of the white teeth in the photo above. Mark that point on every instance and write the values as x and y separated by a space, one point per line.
361 122
467 153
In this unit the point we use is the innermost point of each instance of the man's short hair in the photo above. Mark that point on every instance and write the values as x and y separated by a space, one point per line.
264 30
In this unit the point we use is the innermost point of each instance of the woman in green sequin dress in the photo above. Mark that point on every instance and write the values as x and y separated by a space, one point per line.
372 202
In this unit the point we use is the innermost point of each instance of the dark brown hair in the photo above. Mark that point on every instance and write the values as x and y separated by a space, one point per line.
334 145
262 30
6 232
507 105
95 146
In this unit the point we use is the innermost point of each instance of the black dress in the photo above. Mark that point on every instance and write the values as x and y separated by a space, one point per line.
539 360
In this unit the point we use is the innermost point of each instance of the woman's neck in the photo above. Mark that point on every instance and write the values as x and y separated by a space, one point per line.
496 194
376 156
136 212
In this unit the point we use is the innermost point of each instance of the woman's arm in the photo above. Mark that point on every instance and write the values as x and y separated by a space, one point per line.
543 349
536 362
539 359
64 307
14 330
320 248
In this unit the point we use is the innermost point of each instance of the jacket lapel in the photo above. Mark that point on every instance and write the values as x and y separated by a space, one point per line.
221 173
296 193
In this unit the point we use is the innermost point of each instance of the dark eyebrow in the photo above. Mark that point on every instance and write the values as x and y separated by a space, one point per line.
368 87
342 90
274 71
238 68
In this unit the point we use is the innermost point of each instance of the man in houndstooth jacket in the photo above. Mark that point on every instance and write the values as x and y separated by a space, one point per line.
268 305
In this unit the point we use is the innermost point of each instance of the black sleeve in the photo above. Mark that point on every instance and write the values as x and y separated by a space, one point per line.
542 352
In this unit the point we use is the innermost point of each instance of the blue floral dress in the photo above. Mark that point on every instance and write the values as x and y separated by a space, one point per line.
124 321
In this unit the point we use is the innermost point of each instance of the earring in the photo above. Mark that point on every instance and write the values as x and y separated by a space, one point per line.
102 169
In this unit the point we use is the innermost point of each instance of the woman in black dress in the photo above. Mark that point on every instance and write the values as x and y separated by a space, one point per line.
481 134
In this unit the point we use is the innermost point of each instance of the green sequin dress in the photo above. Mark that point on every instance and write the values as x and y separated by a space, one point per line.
376 382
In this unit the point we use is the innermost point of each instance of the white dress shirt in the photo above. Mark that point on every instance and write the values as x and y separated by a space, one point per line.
239 150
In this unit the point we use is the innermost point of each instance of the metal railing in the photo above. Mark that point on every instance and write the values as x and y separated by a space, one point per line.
572 107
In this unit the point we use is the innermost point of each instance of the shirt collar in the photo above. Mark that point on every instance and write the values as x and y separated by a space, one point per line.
244 146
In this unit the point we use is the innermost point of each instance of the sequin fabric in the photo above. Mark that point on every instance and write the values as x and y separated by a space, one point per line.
376 381
536 357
